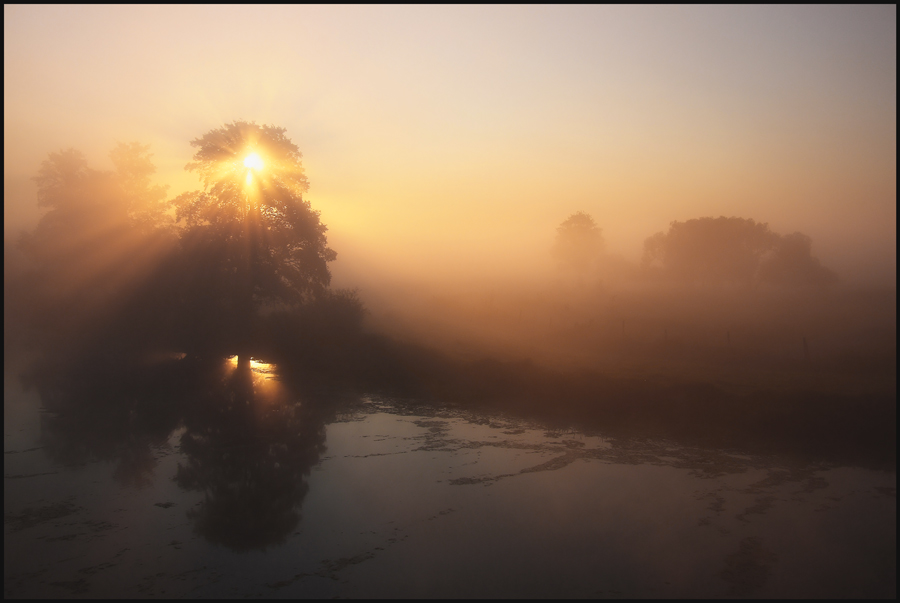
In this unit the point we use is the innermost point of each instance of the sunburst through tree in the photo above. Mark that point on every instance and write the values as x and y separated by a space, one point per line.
258 241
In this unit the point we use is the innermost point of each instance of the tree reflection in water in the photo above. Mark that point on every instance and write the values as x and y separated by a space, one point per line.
248 443
656 515
119 414
249 449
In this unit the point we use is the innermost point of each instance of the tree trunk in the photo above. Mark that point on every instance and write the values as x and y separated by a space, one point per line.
242 380
245 290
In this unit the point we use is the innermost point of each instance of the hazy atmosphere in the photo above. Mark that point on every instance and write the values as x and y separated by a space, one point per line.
315 293
457 138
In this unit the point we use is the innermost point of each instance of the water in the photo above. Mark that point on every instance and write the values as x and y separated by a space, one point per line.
326 496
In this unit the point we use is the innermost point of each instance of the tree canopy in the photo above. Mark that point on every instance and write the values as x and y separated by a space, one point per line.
249 238
111 253
792 263
256 213
578 242
733 250
88 207
102 233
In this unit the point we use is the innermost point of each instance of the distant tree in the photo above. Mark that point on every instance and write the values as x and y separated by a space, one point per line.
791 263
145 202
249 237
733 250
712 250
578 243
102 231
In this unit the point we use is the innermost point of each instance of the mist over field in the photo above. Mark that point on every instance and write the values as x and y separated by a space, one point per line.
313 278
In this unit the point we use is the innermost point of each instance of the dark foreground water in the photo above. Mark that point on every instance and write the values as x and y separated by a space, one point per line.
384 498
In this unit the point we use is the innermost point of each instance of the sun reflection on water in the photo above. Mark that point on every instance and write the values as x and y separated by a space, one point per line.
265 370
264 376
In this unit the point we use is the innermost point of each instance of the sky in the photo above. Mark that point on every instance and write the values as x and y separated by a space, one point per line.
459 137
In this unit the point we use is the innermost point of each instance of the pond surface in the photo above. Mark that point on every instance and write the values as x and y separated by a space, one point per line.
377 497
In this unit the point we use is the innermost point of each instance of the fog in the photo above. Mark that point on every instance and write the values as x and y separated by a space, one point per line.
714 205
417 152
117 273
658 240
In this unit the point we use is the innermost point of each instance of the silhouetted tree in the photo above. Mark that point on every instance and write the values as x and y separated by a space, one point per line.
712 250
102 233
249 238
737 250
792 263
578 242
145 202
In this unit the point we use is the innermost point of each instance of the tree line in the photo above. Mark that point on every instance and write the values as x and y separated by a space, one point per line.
239 266
115 270
707 250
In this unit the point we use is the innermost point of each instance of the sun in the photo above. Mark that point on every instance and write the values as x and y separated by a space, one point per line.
253 161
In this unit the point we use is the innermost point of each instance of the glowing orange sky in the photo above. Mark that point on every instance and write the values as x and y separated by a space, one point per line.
461 135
